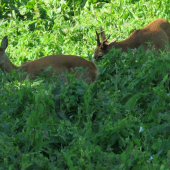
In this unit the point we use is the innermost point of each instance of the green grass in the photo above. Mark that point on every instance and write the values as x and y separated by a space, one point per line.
119 122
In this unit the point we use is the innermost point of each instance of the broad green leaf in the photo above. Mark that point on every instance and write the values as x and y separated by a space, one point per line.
130 104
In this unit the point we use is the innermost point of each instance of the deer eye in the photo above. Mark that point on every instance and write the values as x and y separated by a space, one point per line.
99 58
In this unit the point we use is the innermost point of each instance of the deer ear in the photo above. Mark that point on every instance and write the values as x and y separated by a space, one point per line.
103 37
114 40
4 42
105 42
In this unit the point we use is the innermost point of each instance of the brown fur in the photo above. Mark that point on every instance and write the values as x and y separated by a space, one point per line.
157 32
58 63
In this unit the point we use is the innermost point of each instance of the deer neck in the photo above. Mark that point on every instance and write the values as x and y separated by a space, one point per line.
119 45
6 65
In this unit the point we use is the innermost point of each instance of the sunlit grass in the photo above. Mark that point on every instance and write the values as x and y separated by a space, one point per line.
119 122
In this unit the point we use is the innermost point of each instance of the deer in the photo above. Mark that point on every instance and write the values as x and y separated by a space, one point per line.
59 64
157 32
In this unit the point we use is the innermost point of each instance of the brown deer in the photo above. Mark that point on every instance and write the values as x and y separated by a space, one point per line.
157 32
59 64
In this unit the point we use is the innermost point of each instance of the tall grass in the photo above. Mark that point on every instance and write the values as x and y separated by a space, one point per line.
119 122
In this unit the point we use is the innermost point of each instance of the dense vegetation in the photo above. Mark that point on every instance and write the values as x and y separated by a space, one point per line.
119 122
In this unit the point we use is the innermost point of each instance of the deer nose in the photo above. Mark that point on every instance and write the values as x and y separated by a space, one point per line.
98 58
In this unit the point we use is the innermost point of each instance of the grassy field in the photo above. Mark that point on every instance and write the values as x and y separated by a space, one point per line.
119 122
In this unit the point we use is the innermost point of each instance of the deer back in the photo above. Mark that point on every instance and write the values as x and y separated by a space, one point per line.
60 64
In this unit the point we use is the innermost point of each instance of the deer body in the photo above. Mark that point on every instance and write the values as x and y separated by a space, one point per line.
59 64
157 32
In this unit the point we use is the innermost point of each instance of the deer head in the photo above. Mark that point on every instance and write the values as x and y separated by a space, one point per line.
4 45
5 63
104 46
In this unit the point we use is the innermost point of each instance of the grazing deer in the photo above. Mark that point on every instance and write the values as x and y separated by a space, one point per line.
59 64
157 32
